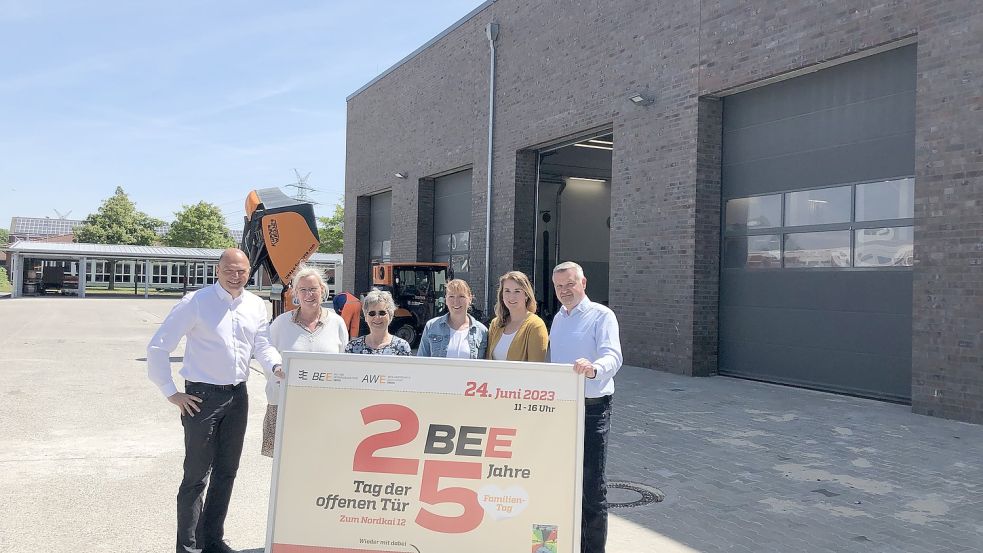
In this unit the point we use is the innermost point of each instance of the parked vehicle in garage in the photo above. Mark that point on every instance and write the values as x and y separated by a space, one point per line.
417 290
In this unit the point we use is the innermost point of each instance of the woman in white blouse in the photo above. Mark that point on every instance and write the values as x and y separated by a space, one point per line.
310 327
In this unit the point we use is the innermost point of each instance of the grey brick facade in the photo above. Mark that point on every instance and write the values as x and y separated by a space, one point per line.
565 67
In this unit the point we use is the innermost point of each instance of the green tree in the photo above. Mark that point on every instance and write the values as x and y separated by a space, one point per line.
118 222
331 230
4 280
4 236
199 226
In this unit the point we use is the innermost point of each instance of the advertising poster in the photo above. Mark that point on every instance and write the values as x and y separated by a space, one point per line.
423 455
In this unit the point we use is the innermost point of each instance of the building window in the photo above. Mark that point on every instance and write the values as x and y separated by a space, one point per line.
817 249
863 225
883 247
97 271
890 199
161 273
753 252
177 273
381 251
753 213
124 271
818 207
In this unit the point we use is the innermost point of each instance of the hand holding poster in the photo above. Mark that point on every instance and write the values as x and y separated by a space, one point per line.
396 454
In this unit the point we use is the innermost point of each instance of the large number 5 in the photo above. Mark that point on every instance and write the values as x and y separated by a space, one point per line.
431 494
409 425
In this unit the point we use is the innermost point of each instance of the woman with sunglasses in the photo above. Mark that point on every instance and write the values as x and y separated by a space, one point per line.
516 333
379 308
456 334
310 327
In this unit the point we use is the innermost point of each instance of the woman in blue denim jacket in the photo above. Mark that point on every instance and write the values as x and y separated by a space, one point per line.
456 334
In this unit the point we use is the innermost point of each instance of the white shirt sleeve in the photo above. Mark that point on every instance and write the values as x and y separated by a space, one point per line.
178 323
263 350
608 346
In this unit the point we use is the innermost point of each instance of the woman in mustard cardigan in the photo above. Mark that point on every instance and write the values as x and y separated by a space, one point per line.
516 333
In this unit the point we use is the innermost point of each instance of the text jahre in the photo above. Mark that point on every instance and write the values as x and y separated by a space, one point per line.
505 471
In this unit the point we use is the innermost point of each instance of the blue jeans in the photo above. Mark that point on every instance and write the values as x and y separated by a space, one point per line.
212 448
594 520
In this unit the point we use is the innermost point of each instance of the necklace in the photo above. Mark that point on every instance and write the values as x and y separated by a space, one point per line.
307 324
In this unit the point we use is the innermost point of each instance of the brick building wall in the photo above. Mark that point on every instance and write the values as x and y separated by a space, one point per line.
565 67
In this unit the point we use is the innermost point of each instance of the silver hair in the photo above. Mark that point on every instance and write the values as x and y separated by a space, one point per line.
306 271
569 265
379 296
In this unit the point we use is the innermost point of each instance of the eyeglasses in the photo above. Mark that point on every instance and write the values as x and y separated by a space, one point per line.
377 313
304 291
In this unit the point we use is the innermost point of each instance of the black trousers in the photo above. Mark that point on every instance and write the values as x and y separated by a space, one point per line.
594 518
212 448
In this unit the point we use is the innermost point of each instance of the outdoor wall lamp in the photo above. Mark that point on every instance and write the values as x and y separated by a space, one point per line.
640 99
400 174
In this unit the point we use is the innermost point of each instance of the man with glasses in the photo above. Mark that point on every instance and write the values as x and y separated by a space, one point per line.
585 334
225 326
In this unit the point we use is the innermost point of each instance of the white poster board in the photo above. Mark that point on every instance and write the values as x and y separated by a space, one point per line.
405 454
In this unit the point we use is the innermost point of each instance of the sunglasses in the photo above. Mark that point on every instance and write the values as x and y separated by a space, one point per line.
377 313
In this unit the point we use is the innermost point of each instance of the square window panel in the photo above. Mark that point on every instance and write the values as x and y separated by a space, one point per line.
817 249
461 241
890 199
884 247
818 207
753 252
442 244
460 263
752 213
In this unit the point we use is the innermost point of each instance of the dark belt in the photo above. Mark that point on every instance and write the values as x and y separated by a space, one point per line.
224 387
596 400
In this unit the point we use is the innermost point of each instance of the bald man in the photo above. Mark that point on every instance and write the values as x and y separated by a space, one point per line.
225 326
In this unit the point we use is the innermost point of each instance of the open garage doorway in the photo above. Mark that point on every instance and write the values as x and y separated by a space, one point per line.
573 215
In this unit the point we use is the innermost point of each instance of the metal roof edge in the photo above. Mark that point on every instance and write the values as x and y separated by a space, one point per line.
123 251
430 42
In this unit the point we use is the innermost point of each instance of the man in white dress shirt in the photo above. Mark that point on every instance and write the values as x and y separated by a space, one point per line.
225 326
585 334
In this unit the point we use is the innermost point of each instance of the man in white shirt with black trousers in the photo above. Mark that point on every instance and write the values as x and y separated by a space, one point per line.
586 335
226 326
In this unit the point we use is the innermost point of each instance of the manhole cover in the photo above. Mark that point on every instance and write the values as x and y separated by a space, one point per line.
623 495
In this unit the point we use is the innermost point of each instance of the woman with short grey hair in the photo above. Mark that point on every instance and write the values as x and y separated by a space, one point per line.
379 308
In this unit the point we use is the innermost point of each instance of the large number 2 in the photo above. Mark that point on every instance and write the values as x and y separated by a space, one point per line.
431 494
409 425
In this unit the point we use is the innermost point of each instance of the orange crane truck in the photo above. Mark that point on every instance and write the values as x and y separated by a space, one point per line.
280 234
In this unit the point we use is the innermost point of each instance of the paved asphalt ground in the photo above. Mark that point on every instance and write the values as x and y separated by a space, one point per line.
90 454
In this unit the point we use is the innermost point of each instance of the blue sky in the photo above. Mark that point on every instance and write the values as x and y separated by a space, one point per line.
183 101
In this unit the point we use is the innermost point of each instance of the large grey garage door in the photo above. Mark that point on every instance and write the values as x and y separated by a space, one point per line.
381 228
452 222
816 284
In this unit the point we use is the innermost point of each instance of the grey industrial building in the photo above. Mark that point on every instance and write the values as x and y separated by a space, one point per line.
789 191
